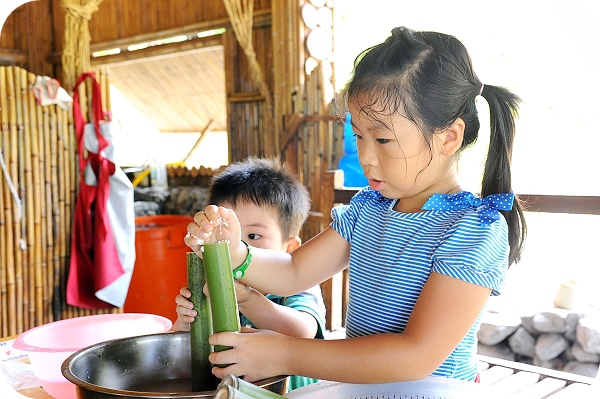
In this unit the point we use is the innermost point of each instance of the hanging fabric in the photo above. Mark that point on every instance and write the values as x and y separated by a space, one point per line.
103 234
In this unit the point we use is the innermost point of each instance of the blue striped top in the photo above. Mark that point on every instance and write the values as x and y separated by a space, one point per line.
392 255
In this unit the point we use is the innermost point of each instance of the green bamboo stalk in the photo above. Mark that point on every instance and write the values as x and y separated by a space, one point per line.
221 289
247 388
200 328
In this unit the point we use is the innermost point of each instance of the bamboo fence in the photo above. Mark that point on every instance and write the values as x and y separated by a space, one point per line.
39 152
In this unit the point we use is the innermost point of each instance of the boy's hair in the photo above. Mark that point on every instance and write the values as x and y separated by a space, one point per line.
266 183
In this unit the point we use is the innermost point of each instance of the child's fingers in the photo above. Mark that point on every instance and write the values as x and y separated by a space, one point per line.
183 302
229 219
210 215
185 292
242 291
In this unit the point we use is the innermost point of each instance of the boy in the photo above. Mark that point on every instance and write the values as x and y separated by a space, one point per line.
271 205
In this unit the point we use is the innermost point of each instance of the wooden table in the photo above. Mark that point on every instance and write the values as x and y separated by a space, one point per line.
35 393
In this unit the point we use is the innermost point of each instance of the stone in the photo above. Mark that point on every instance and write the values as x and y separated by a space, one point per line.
588 334
582 368
552 321
496 327
500 351
555 364
572 321
522 343
550 345
580 355
527 324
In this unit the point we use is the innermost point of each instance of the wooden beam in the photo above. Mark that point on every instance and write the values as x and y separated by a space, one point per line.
165 50
11 56
586 205
197 143
245 97
261 18
579 205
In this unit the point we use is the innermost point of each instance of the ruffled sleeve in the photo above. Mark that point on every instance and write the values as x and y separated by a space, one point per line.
474 253
344 217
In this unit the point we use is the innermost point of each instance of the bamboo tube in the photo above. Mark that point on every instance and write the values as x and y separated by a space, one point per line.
221 289
200 328
247 388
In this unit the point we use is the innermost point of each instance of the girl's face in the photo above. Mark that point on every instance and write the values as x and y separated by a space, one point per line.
398 161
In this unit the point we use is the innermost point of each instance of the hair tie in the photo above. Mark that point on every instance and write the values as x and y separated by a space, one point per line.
481 90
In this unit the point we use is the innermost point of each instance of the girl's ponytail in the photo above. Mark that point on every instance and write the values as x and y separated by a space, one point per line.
497 173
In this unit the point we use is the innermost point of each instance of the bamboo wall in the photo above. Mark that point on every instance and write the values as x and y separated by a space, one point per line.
38 148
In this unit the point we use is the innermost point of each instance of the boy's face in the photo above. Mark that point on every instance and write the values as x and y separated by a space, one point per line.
260 226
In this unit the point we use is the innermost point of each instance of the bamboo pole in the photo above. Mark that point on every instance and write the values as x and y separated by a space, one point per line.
50 230
201 327
5 222
26 179
36 234
45 227
17 276
59 286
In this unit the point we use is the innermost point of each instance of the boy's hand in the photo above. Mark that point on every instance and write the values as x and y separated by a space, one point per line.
185 311
185 308
242 292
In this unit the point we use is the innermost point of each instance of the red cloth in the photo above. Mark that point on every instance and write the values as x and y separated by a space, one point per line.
94 262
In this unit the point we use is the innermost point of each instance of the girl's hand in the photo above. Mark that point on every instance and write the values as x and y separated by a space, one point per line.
215 224
255 354
185 311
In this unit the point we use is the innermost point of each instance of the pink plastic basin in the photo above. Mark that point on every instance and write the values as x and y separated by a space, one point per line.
49 345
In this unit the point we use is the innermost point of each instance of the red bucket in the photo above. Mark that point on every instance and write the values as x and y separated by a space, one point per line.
160 266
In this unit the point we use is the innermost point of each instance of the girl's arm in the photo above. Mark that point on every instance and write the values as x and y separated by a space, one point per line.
444 313
271 271
270 316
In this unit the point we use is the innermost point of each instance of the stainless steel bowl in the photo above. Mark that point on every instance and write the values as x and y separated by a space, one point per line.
152 366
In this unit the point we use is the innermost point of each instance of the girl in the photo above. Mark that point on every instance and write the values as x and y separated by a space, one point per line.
423 255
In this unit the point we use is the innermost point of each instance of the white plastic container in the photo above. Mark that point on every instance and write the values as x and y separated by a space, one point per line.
427 388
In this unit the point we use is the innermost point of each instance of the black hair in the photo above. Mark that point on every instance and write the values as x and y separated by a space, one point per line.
428 78
266 183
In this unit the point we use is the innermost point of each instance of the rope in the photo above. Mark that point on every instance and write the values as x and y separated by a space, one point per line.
76 52
241 16
11 186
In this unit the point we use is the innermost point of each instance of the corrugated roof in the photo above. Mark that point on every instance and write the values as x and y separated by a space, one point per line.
179 92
